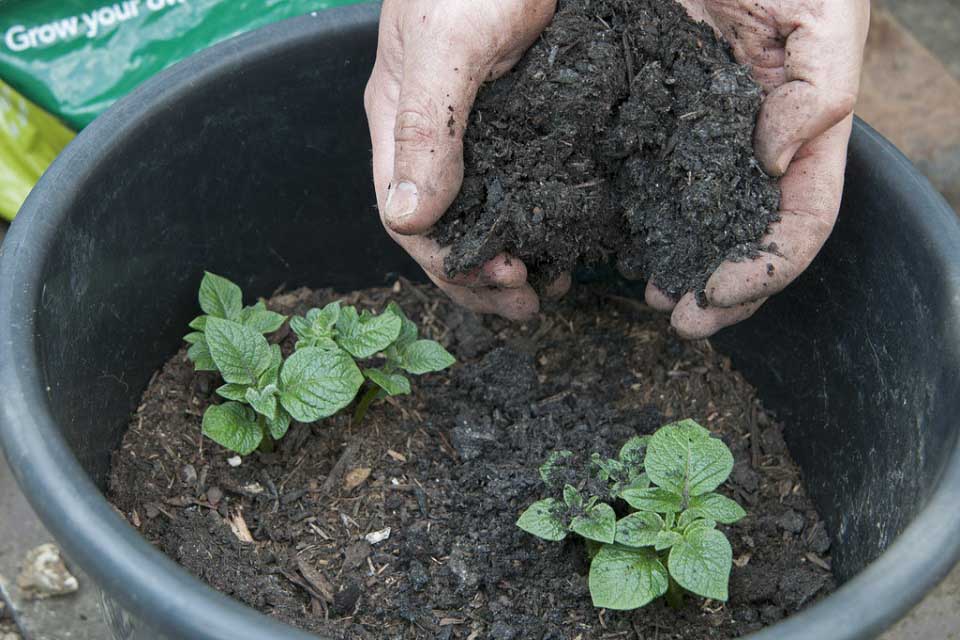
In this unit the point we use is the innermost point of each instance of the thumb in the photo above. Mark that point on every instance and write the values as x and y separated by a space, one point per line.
823 58
436 94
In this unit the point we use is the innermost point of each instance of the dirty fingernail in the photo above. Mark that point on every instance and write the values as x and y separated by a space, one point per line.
401 201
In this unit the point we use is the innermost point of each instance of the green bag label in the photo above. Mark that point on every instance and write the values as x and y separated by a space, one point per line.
97 22
74 58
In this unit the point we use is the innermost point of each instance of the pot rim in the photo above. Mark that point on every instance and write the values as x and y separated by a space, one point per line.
163 594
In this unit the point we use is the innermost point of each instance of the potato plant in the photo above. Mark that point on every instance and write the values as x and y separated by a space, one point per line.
333 357
667 542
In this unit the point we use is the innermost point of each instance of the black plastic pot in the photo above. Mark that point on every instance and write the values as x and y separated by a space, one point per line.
252 159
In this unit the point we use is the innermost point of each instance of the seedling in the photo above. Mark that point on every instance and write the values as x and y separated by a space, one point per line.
668 542
265 392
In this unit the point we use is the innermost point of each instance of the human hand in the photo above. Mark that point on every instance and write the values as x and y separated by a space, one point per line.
807 55
431 59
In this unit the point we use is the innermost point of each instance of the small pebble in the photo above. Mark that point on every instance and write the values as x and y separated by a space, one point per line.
377 537
214 495
791 521
45 575
234 461
188 475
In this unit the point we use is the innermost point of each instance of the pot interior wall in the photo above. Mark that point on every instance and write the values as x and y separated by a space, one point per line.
261 172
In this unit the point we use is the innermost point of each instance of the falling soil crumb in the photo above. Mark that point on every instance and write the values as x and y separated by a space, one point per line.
405 526
626 132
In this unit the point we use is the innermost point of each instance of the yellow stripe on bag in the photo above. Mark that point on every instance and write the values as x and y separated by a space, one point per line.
30 138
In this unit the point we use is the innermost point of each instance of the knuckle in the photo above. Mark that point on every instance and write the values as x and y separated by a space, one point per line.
369 96
416 127
842 104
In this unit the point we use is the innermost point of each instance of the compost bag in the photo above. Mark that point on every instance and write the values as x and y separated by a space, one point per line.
74 58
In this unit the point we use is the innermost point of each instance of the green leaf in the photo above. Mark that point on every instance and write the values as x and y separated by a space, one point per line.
631 453
279 425
700 563
572 497
637 481
233 426
324 342
640 482
606 469
408 329
324 320
703 523
395 384
542 520
263 402
666 539
199 354
639 529
317 329
599 523
199 323
220 298
557 461
622 578
316 383
241 354
717 507
653 499
236 392
271 375
369 334
193 337
300 326
347 320
684 458
261 319
424 356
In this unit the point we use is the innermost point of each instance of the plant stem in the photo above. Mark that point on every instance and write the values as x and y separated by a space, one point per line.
266 445
365 403
674 594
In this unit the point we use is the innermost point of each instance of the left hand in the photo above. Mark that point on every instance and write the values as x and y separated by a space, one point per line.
807 56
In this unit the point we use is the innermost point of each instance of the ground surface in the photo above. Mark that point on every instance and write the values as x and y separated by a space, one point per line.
916 36
447 471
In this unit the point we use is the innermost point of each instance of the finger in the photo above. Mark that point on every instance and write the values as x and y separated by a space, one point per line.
502 271
811 192
513 304
693 322
440 78
380 102
824 54
658 299
559 287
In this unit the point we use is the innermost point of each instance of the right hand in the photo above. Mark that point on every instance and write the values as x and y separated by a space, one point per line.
432 58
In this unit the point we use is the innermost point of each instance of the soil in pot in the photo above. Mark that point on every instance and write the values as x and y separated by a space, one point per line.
625 132
440 477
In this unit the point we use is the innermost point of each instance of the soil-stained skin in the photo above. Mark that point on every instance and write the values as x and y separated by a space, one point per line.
625 133
450 468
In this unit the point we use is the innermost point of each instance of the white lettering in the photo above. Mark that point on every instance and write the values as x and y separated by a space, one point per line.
66 28
106 16
91 21
46 33
123 11
16 38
